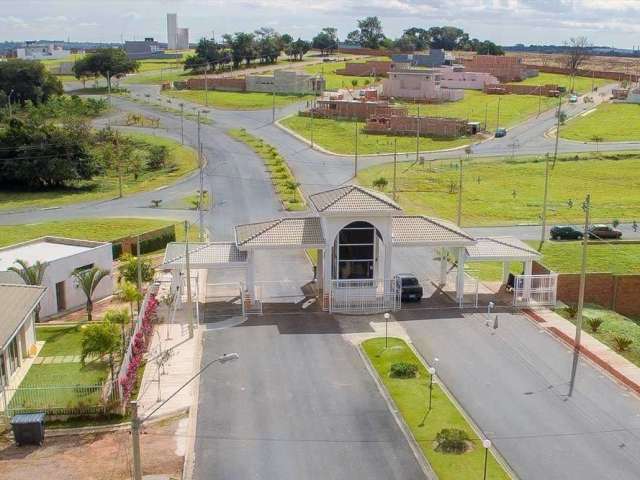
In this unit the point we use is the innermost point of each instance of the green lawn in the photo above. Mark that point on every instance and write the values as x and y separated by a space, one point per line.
92 373
497 191
333 81
614 325
338 136
580 84
490 271
610 122
183 160
566 257
59 340
411 398
99 229
514 109
284 183
235 100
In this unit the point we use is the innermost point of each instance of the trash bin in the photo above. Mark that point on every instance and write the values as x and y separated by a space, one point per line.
28 429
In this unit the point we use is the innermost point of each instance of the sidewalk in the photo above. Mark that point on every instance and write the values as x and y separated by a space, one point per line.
619 367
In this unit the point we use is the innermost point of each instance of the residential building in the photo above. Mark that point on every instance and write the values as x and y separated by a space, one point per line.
420 85
458 77
63 256
147 49
434 58
40 51
285 81
360 109
172 30
370 68
17 327
504 68
426 126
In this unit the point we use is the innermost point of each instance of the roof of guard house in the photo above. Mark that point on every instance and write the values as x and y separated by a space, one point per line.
281 232
421 230
501 247
220 253
353 199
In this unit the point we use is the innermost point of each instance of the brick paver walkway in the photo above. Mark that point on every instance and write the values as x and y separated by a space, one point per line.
56 359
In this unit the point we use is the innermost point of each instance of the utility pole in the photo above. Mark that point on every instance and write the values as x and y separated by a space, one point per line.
182 123
355 165
312 126
539 99
135 440
201 195
459 216
486 115
418 135
543 233
583 278
395 167
273 103
206 86
139 267
108 86
498 115
189 302
118 165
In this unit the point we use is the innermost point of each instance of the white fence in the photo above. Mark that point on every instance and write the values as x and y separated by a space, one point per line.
364 296
535 290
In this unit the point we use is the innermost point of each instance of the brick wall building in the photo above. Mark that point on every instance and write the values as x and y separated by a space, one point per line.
408 125
509 88
425 85
218 83
354 109
617 76
372 68
506 69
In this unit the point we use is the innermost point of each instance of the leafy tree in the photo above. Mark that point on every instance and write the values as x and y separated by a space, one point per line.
354 38
242 47
128 269
100 339
326 41
30 275
107 62
447 38
371 34
30 82
268 45
380 183
88 280
406 43
488 48
129 293
118 317
419 37
298 49
45 155
208 52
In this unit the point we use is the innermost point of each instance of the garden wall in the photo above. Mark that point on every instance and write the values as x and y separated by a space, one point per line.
508 88
149 241
375 68
620 293
364 51
617 76
218 83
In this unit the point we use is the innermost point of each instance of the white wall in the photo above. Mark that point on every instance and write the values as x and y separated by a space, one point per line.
62 269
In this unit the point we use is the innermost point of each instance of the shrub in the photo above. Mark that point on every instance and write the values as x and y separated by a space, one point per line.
452 440
380 183
594 324
128 268
572 311
158 156
621 343
403 370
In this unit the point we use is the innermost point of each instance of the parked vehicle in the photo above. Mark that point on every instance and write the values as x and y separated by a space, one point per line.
598 232
410 288
565 232
573 99
501 132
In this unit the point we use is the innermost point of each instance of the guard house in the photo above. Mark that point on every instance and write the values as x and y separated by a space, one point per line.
355 231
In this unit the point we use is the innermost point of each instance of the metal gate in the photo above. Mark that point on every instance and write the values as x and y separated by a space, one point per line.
222 301
535 290
364 296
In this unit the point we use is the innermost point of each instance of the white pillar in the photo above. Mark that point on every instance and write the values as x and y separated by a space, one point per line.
444 265
506 267
251 275
460 274
320 269
388 253
527 283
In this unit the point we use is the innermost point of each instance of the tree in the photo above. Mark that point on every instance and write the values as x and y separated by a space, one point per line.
578 51
208 52
447 38
371 34
100 339
242 46
298 49
29 81
488 48
118 317
30 275
129 293
405 43
419 37
354 38
128 269
88 280
380 183
107 62
326 41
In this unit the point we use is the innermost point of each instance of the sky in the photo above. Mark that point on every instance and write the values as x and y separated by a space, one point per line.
603 22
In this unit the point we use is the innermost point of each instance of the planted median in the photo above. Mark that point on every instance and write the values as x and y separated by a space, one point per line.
446 439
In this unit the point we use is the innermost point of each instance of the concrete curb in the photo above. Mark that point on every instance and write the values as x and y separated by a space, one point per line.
413 444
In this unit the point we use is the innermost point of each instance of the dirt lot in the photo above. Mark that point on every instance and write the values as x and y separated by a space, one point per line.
104 456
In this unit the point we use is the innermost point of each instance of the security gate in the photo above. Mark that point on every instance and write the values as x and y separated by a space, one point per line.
364 296
535 290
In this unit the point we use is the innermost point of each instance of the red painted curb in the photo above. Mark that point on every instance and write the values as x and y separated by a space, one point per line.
533 315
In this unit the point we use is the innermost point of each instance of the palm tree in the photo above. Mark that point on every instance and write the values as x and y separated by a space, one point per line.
88 281
118 317
31 275
129 293
100 339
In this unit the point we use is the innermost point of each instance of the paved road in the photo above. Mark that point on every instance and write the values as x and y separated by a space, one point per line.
298 404
513 383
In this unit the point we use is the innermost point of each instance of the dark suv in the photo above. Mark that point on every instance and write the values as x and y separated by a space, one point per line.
562 232
604 231
410 288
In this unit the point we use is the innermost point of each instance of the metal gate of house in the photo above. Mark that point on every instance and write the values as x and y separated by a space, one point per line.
364 296
222 301
535 290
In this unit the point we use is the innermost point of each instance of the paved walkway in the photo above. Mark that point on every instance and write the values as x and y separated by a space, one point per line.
57 359
618 366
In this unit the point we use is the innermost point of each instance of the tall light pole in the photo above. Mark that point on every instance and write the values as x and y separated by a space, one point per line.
432 372
206 86
395 167
583 279
137 422
486 443
188 263
386 330
543 232
418 135
182 123
498 114
273 102
355 164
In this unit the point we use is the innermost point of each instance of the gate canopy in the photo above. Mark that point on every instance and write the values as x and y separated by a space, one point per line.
203 256
500 249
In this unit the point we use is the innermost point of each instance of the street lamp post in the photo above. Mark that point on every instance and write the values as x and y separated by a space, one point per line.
432 372
386 330
137 422
486 443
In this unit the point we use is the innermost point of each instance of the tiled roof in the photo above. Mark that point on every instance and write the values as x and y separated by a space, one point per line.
353 199
419 230
501 247
203 254
17 302
282 232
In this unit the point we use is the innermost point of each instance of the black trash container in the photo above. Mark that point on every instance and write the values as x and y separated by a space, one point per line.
28 429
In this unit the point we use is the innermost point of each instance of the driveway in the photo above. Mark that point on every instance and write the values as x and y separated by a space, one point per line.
298 404
513 383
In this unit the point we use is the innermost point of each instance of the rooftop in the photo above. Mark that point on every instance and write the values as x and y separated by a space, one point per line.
17 301
419 230
304 232
223 253
44 249
501 248
353 199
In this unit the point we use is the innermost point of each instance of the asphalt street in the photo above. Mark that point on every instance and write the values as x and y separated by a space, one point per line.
513 382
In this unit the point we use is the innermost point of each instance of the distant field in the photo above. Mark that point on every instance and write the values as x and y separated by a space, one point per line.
503 191
611 122
338 136
580 84
334 81
235 100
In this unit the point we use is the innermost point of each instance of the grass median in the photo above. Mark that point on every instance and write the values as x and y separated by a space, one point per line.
411 397
609 122
235 100
580 84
